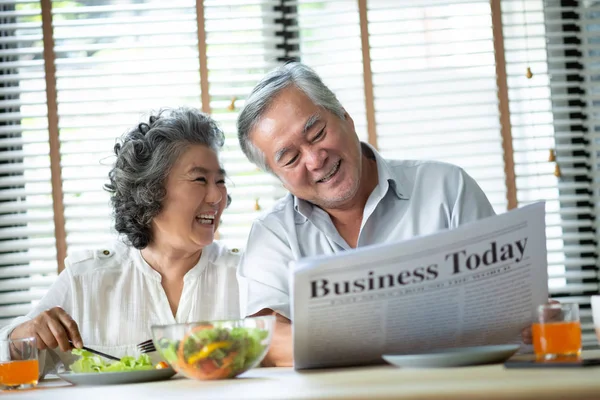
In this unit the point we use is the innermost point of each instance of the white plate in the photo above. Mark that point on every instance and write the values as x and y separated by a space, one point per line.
115 378
457 357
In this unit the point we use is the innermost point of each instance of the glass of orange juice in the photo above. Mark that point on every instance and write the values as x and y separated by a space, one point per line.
557 331
18 363
596 314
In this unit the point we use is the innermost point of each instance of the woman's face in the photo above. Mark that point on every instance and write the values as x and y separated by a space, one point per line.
196 197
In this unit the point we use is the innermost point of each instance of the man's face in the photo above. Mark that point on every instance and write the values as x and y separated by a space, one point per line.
313 152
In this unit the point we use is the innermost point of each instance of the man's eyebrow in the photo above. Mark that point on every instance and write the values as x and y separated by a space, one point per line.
310 122
206 171
280 154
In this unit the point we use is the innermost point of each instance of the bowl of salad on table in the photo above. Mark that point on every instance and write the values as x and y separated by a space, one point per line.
214 349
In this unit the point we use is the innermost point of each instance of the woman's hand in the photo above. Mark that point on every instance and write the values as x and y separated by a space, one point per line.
526 334
52 328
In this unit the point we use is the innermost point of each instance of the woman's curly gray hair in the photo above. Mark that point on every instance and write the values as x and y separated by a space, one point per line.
145 156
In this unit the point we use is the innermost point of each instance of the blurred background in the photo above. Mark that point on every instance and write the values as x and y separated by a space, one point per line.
506 89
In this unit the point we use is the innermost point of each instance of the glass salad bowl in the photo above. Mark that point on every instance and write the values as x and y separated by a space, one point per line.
214 349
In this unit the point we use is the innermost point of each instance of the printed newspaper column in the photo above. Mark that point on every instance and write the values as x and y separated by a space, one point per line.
474 285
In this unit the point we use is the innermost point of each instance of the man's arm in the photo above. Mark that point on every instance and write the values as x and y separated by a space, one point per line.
471 202
281 351
263 272
263 275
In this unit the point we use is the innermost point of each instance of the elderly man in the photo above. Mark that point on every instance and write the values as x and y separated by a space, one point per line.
343 194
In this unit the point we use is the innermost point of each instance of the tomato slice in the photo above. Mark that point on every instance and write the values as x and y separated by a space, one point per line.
193 370
162 365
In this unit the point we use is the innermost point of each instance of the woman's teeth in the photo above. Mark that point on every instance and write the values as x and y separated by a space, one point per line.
206 219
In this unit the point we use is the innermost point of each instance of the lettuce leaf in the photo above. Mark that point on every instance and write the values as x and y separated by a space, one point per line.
89 363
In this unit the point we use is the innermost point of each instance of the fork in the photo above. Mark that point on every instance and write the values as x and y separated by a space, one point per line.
146 346
101 354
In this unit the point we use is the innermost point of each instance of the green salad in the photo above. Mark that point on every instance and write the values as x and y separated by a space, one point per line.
212 352
89 362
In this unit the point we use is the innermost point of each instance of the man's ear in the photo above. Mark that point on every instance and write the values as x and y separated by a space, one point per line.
348 118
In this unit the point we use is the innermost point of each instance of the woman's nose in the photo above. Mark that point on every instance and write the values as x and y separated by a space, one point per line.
214 194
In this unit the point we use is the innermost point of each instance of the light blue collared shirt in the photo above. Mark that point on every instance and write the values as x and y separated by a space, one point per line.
412 198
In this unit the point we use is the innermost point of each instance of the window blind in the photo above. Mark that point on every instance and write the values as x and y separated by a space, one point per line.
532 123
434 83
115 62
571 38
109 75
27 246
333 50
435 97
243 42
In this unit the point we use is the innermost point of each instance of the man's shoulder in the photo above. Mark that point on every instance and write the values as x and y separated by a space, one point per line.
278 220
424 167
278 212
111 255
422 164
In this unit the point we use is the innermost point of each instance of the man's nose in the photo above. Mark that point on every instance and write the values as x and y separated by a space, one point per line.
315 159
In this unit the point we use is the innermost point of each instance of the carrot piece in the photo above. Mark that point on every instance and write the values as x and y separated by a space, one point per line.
182 364
180 354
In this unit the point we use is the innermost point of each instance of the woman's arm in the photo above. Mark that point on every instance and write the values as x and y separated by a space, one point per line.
49 322
51 328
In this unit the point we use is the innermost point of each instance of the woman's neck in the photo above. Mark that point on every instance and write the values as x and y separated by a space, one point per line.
169 262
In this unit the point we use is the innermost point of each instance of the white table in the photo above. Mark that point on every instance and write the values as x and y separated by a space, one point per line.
378 382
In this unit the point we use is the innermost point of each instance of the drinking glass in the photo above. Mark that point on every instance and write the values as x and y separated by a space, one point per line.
557 331
596 314
18 363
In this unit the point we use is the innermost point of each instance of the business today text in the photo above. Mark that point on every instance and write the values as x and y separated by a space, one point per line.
458 261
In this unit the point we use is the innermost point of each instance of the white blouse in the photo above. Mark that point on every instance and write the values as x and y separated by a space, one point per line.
115 297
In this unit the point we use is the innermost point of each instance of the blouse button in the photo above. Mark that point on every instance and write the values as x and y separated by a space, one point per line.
105 253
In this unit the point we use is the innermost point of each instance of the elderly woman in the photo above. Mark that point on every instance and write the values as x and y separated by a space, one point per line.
168 193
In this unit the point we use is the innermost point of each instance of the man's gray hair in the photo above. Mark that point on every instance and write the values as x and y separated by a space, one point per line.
261 98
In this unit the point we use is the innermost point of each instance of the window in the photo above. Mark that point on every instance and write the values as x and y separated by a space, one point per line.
571 47
28 251
243 42
506 90
113 62
434 85
334 51
446 84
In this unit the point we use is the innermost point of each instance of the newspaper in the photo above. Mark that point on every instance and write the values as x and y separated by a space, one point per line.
474 285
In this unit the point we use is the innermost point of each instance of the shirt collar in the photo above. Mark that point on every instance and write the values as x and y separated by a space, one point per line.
303 208
385 175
